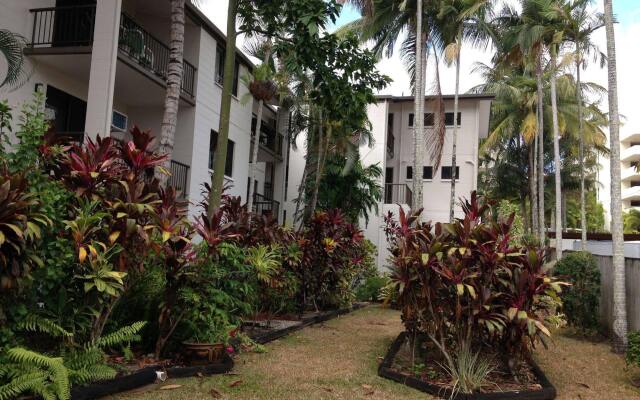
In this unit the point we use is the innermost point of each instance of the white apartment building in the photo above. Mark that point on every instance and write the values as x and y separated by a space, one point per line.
393 120
102 65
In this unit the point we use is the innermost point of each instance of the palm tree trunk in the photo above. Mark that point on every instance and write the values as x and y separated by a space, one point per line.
321 164
174 84
220 155
540 137
418 133
533 183
452 200
310 205
619 295
256 141
556 155
583 207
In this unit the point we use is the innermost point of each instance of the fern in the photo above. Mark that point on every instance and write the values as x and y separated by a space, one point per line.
35 323
51 377
122 335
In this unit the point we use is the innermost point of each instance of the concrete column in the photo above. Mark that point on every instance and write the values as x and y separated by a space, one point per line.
104 58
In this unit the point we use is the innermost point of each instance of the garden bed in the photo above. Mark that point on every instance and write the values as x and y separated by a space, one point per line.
537 388
146 376
262 331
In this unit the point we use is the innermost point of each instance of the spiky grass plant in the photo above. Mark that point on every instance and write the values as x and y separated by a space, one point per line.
469 372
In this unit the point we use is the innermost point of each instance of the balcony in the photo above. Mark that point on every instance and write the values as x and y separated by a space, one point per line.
629 173
270 139
398 193
70 30
263 205
630 154
632 193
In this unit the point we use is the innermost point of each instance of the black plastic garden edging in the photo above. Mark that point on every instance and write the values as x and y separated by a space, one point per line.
321 317
146 376
548 391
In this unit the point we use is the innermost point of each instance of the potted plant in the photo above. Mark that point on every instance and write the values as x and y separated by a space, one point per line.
208 337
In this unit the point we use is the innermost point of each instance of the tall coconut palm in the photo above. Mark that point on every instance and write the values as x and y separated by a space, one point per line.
580 24
11 47
174 86
419 87
554 49
465 19
217 178
619 295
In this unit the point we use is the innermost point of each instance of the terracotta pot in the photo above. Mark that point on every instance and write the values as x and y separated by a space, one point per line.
204 352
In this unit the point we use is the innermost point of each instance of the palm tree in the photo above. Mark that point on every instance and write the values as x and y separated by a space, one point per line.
174 85
619 295
580 24
220 155
466 19
554 48
11 47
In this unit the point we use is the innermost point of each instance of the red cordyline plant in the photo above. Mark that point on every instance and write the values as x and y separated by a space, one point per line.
20 226
465 284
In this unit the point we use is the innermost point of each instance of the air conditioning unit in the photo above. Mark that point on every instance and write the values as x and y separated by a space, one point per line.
119 121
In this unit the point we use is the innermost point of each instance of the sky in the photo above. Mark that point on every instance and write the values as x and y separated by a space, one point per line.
627 45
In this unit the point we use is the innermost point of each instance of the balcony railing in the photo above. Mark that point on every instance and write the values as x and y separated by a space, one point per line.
398 193
269 137
265 206
74 26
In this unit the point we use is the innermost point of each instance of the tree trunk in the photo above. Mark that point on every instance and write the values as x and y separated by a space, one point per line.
533 191
452 200
256 142
583 206
174 85
541 223
619 295
220 155
321 163
556 155
418 132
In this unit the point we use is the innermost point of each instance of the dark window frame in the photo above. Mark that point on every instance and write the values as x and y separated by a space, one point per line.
213 143
446 170
219 72
448 119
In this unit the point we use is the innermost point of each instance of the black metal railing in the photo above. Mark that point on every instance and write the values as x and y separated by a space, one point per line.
150 52
265 206
74 26
398 193
63 26
269 137
178 179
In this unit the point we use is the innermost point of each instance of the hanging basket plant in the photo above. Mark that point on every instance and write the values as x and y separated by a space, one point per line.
261 84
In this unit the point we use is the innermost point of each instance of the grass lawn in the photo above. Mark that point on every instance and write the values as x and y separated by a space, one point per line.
338 360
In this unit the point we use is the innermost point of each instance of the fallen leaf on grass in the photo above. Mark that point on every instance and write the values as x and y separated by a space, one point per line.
169 387
584 385
235 383
326 389
364 386
215 394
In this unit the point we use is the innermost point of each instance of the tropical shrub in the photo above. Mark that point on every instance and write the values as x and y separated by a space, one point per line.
632 355
333 256
581 300
464 283
372 288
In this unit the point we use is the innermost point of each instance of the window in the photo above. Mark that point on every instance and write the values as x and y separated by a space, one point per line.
446 172
448 119
410 119
213 144
635 183
390 123
427 172
635 203
220 56
429 119
409 172
67 112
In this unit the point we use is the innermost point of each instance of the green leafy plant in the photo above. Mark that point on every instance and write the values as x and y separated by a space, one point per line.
581 300
29 372
632 355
